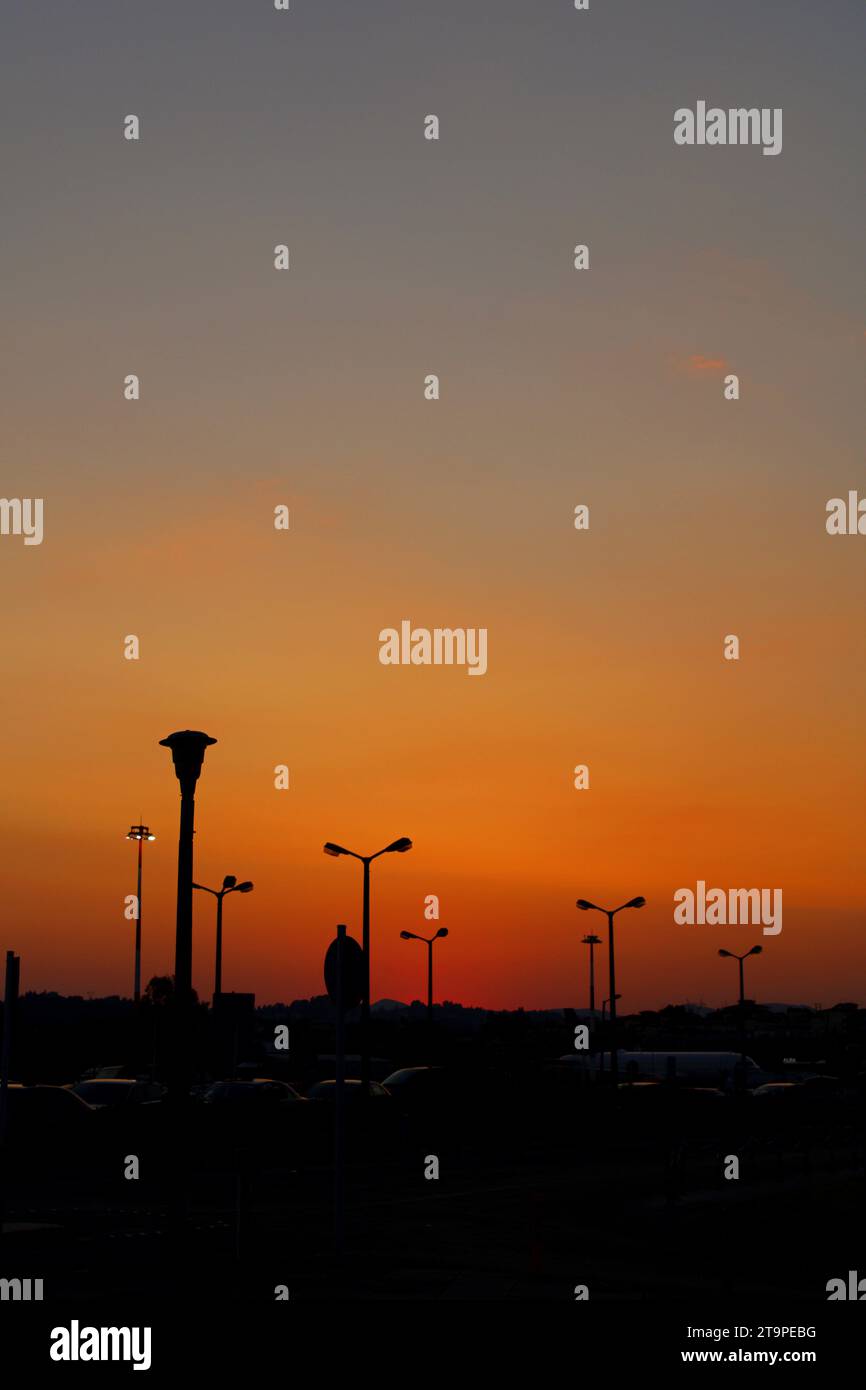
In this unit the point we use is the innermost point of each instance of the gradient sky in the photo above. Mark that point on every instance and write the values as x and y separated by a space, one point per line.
558 388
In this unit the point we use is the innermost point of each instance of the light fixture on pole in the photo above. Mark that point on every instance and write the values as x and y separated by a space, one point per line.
230 885
741 1010
755 951
396 847
139 833
610 913
428 941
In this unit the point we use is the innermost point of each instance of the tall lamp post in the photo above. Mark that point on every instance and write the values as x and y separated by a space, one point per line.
230 885
139 833
187 751
428 941
755 951
591 941
610 913
396 847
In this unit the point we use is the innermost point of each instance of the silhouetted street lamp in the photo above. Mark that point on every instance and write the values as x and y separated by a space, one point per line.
591 941
187 751
139 833
396 847
755 951
741 1011
230 885
610 913
428 941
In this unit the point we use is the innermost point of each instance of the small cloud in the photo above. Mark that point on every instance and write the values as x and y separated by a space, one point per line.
698 365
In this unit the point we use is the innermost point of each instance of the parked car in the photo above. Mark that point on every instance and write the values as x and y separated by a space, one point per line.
460 1105
370 1123
118 1090
811 1090
41 1118
327 1090
671 1093
45 1104
259 1116
416 1085
775 1090
262 1091
93 1073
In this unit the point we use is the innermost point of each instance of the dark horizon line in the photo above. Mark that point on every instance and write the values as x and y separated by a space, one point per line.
839 1005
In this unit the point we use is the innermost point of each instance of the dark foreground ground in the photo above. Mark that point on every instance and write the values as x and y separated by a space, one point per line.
635 1209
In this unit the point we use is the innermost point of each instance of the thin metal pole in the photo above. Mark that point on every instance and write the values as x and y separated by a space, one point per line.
614 1058
10 999
136 988
365 1003
742 1022
430 1046
218 972
339 1104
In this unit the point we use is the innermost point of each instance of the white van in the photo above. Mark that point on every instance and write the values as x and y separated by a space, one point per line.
693 1068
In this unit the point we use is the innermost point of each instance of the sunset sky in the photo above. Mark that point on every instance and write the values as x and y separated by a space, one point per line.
558 387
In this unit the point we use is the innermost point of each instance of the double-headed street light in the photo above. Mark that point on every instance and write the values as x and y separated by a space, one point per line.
755 951
396 847
741 1011
428 941
230 885
610 913
139 833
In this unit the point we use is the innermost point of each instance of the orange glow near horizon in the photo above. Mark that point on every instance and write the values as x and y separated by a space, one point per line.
700 769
